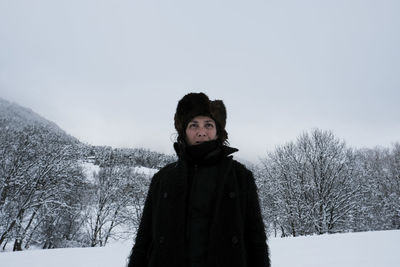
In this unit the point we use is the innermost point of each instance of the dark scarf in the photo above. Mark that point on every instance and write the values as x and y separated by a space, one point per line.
204 153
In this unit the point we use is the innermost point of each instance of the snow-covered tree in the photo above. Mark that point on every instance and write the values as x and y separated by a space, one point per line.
117 197
379 205
310 185
37 165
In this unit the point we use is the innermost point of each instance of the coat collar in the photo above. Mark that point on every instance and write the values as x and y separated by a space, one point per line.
178 174
180 149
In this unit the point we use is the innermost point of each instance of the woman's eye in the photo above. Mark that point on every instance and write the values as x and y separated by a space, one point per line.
209 125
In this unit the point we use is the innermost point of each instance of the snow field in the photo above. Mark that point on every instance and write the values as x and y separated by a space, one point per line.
368 249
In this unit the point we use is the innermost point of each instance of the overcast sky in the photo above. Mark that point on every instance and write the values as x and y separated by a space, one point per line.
112 72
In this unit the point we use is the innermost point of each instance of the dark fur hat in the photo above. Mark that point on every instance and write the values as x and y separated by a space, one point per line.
195 104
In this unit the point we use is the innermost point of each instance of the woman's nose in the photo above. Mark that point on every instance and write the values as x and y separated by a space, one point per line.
201 132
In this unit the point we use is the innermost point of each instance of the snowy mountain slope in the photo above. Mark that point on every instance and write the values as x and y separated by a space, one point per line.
17 117
368 249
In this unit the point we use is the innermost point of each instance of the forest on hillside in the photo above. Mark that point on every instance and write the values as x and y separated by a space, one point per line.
48 198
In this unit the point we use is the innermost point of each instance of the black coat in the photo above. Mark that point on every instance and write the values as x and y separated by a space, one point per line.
236 233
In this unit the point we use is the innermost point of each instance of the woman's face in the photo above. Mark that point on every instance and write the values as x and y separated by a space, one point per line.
200 129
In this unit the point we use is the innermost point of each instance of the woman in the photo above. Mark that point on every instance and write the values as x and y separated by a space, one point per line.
203 210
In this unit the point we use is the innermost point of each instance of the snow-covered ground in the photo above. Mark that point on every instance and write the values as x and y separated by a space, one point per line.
148 171
370 249
90 169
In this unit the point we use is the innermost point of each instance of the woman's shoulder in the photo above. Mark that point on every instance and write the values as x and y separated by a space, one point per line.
169 167
242 171
239 166
165 170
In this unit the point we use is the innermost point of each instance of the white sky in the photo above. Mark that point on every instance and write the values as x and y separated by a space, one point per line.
112 72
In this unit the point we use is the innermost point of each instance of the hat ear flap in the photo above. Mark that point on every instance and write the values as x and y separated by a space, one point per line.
218 112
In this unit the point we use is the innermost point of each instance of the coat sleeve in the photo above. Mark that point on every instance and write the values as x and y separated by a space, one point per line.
138 257
255 237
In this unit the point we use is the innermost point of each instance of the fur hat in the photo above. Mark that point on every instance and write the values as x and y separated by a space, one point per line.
195 104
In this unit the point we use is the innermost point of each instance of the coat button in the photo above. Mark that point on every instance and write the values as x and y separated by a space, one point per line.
235 240
232 195
165 195
162 239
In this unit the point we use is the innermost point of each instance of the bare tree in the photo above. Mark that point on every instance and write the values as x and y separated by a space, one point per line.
379 205
36 167
113 206
311 183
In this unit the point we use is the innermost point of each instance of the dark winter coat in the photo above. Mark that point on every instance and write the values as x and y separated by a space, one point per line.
236 236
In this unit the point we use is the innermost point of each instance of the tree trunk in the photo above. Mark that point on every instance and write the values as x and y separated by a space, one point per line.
5 244
17 245
4 235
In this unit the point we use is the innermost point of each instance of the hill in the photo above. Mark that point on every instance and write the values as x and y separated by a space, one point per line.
49 195
17 118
